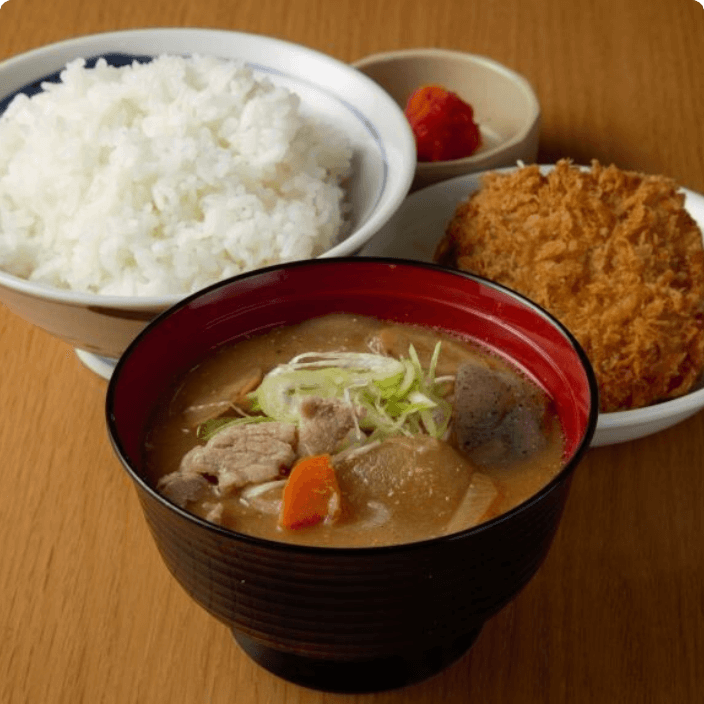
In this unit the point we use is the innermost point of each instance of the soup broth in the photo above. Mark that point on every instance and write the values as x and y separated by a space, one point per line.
350 431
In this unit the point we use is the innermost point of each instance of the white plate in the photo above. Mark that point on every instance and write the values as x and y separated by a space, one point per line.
413 233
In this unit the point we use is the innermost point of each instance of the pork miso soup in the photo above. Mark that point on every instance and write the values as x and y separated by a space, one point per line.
351 431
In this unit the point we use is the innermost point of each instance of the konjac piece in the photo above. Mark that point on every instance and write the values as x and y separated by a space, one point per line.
497 416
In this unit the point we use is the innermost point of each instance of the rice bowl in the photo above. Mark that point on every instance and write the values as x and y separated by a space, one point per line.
164 177
382 162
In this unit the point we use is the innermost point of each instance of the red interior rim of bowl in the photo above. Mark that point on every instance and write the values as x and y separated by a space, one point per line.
397 290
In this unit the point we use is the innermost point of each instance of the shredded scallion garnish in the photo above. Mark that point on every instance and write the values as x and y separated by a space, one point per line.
387 396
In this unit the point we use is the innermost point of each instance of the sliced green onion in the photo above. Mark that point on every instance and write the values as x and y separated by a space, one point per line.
388 396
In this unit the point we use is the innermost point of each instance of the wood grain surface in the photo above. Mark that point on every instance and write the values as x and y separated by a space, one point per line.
88 612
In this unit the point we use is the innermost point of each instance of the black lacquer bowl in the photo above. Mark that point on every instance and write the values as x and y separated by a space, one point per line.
356 619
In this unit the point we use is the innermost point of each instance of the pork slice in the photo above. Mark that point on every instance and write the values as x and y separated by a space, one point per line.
224 399
243 454
324 424
182 487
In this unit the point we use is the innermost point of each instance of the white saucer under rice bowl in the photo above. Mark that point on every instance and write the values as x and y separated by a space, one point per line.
200 155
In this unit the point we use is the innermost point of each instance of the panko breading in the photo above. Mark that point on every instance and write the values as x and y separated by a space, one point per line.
612 254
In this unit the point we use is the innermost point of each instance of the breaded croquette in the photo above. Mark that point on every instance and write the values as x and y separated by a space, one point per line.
612 254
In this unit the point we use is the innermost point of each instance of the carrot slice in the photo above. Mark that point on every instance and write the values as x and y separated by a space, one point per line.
311 493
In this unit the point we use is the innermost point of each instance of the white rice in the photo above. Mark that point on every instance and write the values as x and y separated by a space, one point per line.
162 178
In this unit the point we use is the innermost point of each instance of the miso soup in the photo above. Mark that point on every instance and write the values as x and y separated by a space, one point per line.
346 430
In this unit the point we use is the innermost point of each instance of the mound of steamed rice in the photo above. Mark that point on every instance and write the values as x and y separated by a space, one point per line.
164 177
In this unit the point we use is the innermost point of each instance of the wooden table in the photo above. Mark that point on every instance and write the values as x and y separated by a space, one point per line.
88 612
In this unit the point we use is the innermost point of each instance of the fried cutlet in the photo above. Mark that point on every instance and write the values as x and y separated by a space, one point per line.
612 254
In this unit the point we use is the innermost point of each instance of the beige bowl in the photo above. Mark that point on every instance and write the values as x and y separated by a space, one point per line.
505 106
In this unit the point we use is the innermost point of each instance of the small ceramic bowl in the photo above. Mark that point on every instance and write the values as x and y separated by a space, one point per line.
101 327
505 106
353 619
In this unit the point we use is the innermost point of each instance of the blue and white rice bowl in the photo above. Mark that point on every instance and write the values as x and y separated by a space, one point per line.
382 162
